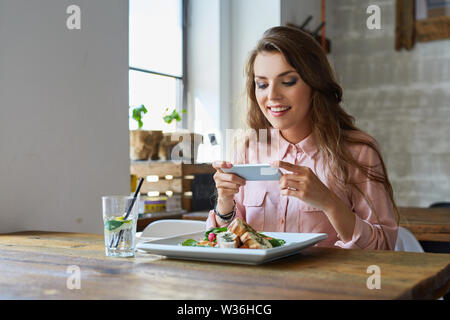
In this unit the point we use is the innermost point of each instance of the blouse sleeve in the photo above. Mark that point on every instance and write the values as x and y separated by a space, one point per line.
375 226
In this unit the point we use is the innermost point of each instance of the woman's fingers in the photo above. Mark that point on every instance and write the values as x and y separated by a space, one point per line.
231 177
303 184
292 179
294 193
289 166
220 175
228 177
291 184
221 164
226 185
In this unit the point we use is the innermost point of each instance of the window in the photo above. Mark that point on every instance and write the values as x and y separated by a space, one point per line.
156 61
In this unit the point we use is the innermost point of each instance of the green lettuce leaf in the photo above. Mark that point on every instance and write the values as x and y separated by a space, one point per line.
189 243
215 230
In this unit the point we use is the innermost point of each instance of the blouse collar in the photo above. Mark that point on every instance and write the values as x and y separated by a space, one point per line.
307 145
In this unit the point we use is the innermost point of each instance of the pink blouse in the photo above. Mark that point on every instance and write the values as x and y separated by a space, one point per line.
261 205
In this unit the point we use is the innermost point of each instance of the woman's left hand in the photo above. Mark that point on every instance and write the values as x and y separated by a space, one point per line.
304 184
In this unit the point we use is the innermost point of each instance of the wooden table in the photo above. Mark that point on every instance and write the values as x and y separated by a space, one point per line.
427 224
34 265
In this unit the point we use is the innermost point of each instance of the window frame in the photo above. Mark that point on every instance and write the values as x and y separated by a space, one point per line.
181 83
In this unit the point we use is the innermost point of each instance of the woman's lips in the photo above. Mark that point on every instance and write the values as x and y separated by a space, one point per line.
278 111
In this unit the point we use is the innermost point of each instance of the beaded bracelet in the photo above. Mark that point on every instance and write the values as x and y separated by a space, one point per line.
226 217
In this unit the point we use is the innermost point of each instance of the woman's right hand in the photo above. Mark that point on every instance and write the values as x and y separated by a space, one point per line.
227 185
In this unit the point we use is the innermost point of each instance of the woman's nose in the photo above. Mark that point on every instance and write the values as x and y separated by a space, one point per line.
274 92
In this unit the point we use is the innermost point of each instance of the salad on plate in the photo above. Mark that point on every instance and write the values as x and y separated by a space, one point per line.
238 234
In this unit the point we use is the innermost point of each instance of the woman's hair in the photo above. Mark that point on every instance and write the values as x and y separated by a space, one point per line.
331 125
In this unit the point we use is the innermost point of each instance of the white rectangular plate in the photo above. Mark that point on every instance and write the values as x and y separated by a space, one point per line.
172 248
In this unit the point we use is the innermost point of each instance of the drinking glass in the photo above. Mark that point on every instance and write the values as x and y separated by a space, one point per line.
120 229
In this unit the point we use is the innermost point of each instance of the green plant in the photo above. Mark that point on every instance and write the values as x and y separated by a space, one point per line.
173 116
137 114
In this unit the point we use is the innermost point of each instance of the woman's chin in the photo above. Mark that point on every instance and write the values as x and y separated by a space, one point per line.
279 125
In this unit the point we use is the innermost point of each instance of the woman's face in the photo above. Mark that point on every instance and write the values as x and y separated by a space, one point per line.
282 95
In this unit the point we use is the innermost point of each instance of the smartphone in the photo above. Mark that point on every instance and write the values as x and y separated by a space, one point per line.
255 172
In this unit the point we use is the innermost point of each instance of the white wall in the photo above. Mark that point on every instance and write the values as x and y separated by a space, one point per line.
204 70
203 41
63 113
249 19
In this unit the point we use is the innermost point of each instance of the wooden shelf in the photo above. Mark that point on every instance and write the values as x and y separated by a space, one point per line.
182 175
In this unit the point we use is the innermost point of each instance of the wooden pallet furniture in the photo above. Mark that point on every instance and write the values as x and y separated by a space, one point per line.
168 178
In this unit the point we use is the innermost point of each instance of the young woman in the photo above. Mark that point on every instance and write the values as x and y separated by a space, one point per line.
334 181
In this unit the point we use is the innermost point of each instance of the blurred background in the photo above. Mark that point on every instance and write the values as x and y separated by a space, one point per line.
72 72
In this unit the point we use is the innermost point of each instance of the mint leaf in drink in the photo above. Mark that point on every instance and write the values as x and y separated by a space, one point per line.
116 223
112 224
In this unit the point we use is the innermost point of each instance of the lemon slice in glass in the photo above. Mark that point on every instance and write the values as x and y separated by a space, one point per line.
117 224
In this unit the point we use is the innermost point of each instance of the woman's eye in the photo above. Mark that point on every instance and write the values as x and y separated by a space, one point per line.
261 85
290 83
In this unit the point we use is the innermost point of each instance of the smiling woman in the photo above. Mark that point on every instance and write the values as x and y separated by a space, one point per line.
334 181
283 98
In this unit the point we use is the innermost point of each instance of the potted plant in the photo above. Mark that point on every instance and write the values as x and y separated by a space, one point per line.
144 144
168 118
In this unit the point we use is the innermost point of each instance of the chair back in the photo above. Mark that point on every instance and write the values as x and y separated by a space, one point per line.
172 227
440 205
407 242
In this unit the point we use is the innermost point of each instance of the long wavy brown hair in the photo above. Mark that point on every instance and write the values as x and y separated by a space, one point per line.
331 125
